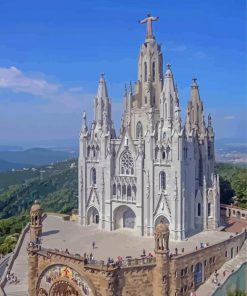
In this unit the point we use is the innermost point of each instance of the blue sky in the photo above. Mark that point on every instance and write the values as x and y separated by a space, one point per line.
52 52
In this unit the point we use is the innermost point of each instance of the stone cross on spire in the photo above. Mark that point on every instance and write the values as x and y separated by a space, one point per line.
149 19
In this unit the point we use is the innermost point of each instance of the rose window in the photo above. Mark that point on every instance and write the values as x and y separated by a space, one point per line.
127 164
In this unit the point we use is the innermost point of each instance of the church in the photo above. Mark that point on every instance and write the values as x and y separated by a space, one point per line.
156 169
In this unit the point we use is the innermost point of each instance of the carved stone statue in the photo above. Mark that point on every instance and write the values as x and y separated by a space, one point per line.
149 19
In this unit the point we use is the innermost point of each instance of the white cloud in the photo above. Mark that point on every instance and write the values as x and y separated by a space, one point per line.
17 81
12 78
229 117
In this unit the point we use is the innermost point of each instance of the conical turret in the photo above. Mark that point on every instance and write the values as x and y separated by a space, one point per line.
195 109
102 107
169 99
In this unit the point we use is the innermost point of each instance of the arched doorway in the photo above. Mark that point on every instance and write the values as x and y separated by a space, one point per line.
124 217
63 288
161 219
92 216
198 274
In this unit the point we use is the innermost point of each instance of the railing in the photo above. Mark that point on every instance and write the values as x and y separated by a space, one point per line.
100 264
241 236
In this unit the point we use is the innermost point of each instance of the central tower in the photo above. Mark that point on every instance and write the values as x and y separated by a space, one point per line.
142 106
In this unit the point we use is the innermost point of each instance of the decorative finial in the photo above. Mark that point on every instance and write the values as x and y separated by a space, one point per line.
194 83
125 90
149 19
130 87
84 115
102 75
209 120
168 66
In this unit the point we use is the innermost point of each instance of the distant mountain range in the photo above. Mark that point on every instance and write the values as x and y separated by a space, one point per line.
10 159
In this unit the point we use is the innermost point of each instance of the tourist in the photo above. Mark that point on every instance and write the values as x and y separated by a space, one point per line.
182 250
144 252
91 256
176 251
93 244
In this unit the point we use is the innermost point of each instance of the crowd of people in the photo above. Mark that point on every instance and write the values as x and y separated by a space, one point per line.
12 278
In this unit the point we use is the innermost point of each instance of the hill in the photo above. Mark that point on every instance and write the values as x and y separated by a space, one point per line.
31 157
56 188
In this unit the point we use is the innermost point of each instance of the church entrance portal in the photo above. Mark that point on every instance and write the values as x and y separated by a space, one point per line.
93 216
161 219
124 217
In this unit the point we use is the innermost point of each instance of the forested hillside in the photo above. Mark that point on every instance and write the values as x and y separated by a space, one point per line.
233 182
54 186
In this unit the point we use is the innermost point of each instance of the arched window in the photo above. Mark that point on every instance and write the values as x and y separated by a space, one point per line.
129 191
118 190
162 180
114 189
198 274
127 163
139 130
134 191
94 152
145 71
153 71
88 151
199 210
209 209
163 154
146 100
123 190
156 152
93 176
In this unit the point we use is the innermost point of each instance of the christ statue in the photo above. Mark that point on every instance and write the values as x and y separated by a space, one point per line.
149 19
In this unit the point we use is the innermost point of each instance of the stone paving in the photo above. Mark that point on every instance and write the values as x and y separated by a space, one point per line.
77 239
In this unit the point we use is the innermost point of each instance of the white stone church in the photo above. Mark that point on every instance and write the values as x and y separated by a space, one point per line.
156 169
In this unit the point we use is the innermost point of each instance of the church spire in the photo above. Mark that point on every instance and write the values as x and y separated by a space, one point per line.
102 107
169 99
195 109
102 89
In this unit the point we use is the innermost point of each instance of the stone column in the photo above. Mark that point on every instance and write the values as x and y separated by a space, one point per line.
32 270
161 270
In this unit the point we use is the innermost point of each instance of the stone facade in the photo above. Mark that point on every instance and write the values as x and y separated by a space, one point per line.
58 273
156 169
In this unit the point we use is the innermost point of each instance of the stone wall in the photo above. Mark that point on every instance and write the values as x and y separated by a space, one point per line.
141 276
182 268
